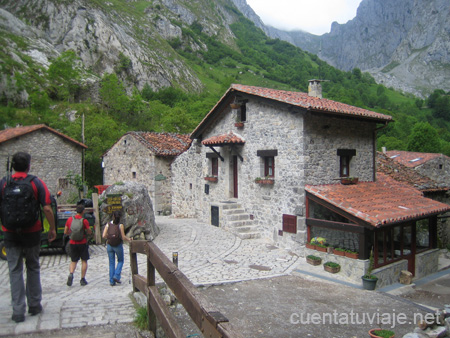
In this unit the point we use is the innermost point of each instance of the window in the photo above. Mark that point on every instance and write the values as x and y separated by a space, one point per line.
269 166
215 166
243 113
267 162
344 167
290 223
345 155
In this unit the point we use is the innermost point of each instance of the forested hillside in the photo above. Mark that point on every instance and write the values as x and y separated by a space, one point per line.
114 100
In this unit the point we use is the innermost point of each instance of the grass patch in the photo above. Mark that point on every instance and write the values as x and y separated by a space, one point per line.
141 318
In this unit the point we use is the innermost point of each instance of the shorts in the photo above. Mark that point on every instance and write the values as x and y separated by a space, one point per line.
78 251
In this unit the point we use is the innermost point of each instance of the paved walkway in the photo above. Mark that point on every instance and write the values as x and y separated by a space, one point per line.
207 255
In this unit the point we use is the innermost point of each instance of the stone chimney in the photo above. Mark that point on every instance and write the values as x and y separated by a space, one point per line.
315 88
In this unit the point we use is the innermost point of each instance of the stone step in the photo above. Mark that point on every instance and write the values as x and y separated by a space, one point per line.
249 235
228 206
238 217
233 211
240 223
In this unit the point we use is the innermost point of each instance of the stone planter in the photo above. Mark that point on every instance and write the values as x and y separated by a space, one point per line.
211 179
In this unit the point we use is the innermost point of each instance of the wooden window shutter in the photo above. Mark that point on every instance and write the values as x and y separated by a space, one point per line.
290 223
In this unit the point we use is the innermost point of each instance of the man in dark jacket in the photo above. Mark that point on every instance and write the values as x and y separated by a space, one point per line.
25 244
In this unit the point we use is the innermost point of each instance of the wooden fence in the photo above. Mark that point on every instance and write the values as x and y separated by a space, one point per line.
210 321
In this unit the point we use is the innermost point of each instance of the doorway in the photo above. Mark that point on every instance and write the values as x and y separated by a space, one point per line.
235 176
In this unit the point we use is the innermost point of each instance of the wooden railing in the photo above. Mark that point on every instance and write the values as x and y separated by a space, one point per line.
210 321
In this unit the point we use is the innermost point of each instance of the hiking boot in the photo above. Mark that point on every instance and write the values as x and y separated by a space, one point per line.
83 282
34 310
18 318
112 284
70 279
117 281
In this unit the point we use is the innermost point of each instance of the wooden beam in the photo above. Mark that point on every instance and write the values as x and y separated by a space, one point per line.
217 153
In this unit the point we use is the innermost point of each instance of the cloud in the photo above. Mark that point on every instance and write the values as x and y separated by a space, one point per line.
311 16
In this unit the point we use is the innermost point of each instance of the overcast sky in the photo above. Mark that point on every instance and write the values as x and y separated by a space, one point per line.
313 16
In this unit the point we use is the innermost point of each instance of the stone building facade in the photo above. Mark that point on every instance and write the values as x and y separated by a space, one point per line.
53 156
272 163
145 158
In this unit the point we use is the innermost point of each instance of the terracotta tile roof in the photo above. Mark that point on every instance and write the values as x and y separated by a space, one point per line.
163 144
298 99
12 133
403 174
309 102
412 159
379 203
225 139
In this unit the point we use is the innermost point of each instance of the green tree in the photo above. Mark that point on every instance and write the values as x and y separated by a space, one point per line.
113 95
424 138
64 74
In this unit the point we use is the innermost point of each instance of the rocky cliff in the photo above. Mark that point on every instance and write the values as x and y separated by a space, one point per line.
404 43
104 33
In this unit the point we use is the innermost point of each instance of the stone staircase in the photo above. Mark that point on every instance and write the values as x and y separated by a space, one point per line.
237 221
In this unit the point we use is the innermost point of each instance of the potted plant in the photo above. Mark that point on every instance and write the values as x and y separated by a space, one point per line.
349 180
331 267
369 280
239 124
311 245
339 251
266 180
380 333
211 178
313 260
351 254
321 247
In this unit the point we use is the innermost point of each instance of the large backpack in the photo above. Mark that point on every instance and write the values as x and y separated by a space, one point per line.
114 236
20 209
77 229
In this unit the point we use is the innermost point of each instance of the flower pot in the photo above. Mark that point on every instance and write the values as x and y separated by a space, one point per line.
347 181
369 283
321 249
373 334
330 269
265 181
339 252
211 179
313 261
310 246
235 106
353 255
239 124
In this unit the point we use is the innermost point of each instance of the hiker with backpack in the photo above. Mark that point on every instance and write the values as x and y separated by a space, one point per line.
115 234
21 198
77 227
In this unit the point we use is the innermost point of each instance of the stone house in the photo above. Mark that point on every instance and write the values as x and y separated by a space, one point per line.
53 156
432 165
269 163
145 157
430 188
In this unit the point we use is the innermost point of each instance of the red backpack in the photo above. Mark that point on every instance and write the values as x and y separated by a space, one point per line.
114 237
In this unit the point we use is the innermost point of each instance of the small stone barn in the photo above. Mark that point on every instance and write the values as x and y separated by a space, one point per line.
145 157
276 164
53 155
432 165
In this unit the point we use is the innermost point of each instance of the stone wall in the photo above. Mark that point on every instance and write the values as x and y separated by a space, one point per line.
438 169
52 157
427 263
306 154
130 160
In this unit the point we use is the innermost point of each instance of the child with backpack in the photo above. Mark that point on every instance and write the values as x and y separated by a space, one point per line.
115 234
77 227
